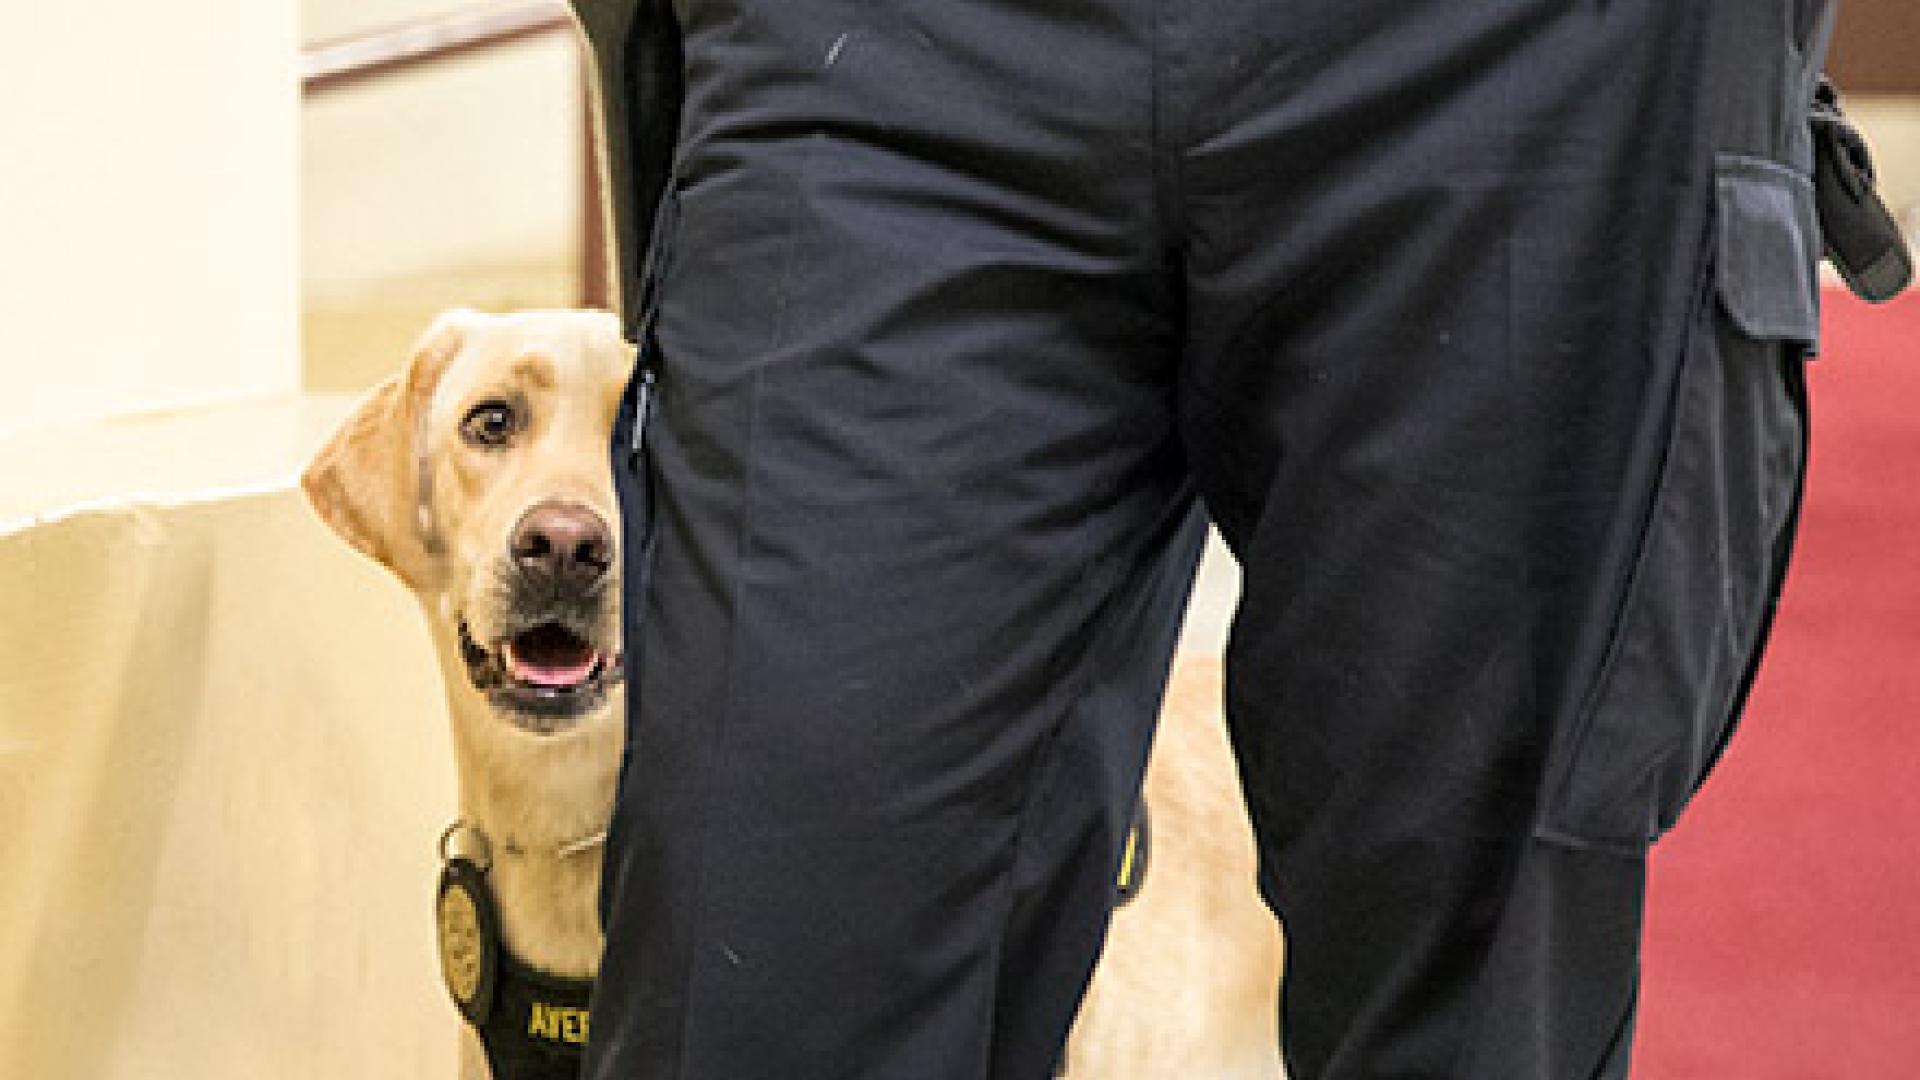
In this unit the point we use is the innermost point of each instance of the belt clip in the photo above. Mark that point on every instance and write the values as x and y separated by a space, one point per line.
1861 238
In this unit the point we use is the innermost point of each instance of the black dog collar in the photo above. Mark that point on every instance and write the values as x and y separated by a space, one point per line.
533 1025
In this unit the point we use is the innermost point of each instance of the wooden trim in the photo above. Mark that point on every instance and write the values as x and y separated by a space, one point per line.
342 62
596 270
1876 47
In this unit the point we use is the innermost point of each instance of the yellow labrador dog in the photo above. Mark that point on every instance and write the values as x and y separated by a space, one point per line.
479 477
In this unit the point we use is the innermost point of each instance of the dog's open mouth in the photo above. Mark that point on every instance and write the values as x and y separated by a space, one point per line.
551 657
544 675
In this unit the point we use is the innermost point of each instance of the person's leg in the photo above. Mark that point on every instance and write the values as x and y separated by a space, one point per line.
921 536
1493 387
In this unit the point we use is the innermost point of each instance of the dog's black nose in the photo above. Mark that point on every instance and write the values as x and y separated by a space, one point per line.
565 541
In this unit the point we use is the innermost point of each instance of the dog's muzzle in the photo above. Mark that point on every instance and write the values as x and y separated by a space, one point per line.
549 665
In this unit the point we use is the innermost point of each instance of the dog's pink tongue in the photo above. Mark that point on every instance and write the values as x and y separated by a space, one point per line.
559 675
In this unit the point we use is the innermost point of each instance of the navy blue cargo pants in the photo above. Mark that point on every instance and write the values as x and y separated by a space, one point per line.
1475 326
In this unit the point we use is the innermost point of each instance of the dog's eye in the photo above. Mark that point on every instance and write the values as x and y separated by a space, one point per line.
490 423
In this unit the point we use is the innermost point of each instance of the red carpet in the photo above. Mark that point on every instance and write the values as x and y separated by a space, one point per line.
1783 938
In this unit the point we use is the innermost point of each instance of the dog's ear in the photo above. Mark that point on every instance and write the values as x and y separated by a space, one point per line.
366 482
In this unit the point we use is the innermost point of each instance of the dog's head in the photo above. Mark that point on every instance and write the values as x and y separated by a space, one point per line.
479 476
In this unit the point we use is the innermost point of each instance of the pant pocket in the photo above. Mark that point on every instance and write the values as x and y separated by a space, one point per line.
632 480
1701 591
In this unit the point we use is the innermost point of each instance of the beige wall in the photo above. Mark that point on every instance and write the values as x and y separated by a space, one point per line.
223 753
147 207
223 762
471 163
457 184
325 20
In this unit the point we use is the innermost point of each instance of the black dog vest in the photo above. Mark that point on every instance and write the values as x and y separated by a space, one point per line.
532 1025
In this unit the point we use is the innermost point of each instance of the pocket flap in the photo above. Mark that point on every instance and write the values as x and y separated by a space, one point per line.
1768 249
